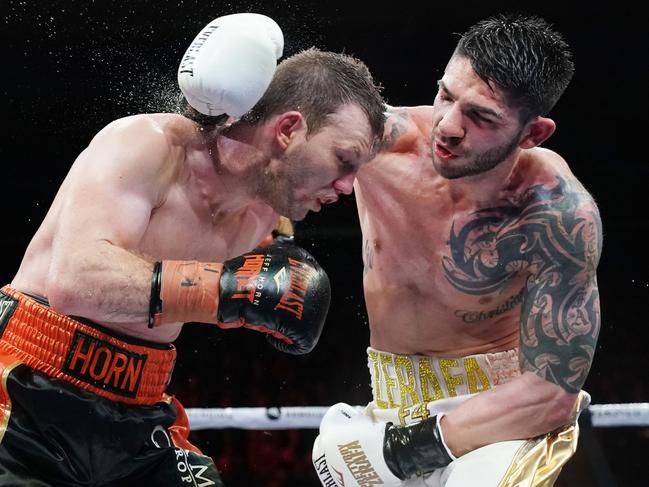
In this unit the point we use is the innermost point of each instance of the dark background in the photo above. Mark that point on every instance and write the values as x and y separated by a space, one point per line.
69 67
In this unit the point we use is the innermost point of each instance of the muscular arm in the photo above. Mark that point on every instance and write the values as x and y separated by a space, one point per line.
556 238
105 206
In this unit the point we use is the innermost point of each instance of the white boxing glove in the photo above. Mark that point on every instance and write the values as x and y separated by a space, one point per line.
328 477
230 63
354 451
349 450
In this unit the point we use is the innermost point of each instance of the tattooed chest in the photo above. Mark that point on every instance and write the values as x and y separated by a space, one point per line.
539 239
419 270
481 279
486 255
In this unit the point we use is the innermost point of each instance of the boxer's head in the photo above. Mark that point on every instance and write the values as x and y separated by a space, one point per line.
325 114
524 57
506 74
317 84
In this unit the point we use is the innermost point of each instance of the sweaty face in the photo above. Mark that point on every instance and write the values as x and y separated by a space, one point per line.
315 171
474 129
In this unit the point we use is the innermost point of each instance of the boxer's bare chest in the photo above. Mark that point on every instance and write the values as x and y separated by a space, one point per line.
182 229
459 264
435 267
441 266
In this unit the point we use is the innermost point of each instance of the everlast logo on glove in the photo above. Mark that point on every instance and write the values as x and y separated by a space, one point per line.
279 290
187 62
293 299
326 478
103 364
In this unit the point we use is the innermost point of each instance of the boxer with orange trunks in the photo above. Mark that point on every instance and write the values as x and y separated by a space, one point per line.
157 224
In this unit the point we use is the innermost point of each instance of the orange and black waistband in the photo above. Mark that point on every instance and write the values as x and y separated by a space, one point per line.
121 369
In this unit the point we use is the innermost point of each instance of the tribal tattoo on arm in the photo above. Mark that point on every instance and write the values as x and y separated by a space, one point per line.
554 236
395 119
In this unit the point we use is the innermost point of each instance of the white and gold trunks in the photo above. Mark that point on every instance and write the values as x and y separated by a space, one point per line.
410 388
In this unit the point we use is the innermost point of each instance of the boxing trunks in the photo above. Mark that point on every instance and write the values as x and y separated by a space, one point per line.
80 405
410 388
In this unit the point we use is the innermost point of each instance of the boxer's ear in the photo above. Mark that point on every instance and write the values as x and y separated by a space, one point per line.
287 125
538 130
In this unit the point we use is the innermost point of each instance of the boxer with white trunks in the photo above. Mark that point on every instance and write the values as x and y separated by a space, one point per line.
157 224
480 251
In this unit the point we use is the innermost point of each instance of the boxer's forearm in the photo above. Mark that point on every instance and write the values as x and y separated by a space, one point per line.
526 407
101 282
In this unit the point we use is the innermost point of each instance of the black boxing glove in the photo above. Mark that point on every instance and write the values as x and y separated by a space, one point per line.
280 290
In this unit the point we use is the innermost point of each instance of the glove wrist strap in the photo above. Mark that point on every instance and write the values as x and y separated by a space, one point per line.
188 291
416 449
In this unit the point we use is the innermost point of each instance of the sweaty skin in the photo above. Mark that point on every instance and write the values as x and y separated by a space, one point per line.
484 263
155 187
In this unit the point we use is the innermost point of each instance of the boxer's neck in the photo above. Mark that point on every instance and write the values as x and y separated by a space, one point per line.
485 189
227 176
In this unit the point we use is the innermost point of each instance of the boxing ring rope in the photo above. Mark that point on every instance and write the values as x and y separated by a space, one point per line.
308 417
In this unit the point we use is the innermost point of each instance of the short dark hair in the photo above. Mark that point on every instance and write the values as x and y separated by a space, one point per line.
524 56
318 83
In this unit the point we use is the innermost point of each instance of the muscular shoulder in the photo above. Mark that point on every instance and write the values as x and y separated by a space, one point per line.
406 128
148 142
148 131
545 217
131 153
555 206
547 176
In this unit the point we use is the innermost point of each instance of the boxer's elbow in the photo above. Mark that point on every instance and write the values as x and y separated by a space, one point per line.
64 286
558 404
61 294
561 409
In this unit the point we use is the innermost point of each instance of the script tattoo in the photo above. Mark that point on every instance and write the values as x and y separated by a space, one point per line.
473 316
554 236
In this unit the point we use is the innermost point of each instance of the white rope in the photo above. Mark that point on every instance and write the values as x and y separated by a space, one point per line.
602 416
613 415
256 418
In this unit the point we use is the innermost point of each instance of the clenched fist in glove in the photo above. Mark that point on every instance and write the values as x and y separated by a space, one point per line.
279 290
230 63
352 450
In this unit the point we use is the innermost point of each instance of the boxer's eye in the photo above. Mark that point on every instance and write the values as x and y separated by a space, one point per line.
482 119
479 117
